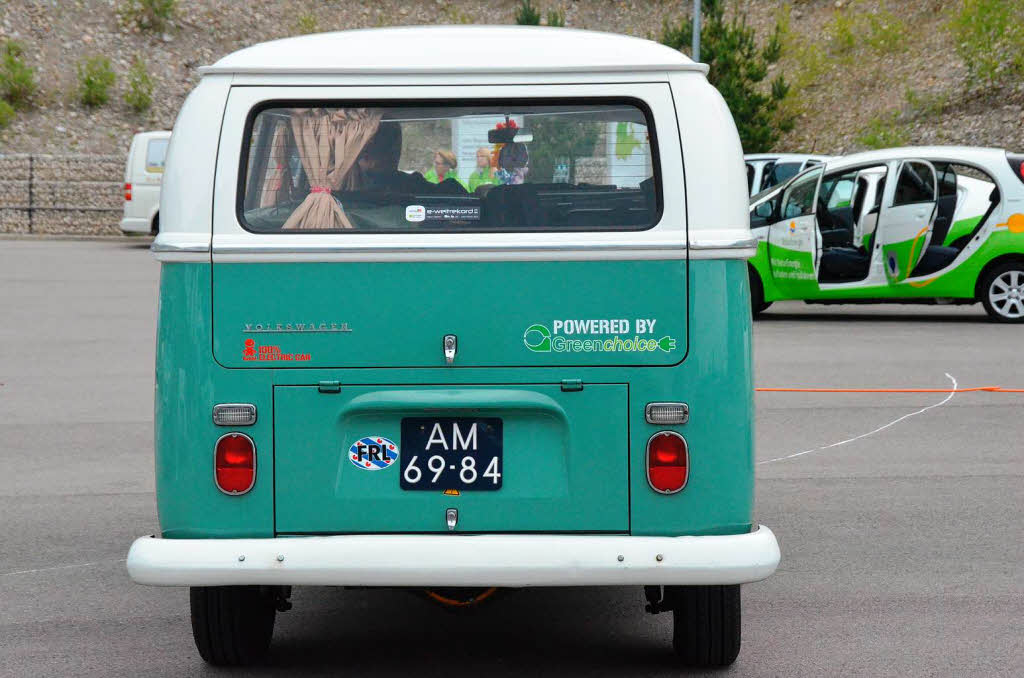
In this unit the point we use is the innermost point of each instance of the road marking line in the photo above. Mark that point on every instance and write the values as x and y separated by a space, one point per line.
952 392
61 567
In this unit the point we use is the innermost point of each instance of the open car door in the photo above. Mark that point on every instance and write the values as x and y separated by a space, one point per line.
794 243
906 222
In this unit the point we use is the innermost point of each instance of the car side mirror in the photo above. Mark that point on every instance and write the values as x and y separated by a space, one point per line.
764 210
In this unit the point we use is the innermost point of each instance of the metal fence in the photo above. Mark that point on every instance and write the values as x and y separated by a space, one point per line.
50 193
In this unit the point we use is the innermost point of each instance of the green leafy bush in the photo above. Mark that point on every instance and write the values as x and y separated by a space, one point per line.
528 15
738 69
880 30
885 131
150 15
842 31
95 78
989 37
556 17
6 114
140 87
17 80
927 104
885 32
307 23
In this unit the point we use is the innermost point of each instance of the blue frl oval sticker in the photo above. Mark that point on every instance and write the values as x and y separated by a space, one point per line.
373 453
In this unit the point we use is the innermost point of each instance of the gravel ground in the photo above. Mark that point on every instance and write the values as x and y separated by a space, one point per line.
851 90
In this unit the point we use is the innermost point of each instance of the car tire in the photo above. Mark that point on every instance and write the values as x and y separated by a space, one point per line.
757 302
232 625
1002 292
706 624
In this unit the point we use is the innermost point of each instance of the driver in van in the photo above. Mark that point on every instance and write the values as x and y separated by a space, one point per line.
378 163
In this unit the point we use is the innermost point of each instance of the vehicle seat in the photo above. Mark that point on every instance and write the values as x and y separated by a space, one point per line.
846 263
843 263
937 257
510 206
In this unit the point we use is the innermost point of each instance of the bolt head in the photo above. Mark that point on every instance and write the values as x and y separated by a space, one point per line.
621 558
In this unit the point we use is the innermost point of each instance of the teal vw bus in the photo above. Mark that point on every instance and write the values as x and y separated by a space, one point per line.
453 324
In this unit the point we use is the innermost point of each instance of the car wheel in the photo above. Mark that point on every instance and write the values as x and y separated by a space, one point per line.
232 625
757 302
1002 292
706 624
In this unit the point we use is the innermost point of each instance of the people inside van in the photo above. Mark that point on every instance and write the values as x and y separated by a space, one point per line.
445 163
484 174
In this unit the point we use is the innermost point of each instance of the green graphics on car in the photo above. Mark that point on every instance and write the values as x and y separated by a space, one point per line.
914 225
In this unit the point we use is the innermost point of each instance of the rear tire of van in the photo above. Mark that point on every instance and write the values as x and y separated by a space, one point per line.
757 302
232 625
706 624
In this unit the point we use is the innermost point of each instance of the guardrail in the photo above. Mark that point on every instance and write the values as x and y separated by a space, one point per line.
54 193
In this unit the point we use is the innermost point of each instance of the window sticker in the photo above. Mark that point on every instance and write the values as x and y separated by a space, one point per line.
468 213
415 213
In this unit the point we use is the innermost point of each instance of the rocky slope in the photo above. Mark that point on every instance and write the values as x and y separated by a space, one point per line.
844 97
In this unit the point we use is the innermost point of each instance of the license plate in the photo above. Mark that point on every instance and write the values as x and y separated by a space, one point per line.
451 453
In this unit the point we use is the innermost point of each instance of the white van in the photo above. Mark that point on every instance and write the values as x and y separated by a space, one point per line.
142 175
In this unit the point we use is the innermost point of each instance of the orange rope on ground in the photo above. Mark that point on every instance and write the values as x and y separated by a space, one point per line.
990 389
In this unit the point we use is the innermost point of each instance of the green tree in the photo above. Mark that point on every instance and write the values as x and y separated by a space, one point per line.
559 141
149 15
738 68
140 87
528 15
95 78
17 80
989 37
6 114
556 17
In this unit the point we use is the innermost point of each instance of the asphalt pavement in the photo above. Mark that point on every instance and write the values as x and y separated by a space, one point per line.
898 514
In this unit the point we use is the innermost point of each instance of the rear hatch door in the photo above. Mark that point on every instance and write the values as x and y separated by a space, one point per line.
340 459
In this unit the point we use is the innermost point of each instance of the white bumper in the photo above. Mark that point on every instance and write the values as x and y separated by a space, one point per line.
456 560
136 225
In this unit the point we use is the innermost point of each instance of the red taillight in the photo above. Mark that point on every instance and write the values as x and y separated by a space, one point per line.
235 463
127 191
1016 161
668 463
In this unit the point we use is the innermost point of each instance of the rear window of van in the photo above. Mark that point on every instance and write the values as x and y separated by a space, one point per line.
560 166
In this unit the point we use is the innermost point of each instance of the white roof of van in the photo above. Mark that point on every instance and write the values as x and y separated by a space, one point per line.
455 49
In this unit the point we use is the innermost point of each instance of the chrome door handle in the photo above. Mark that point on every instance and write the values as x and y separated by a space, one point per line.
450 344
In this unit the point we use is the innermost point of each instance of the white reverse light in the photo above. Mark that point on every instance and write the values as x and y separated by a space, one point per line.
666 413
234 414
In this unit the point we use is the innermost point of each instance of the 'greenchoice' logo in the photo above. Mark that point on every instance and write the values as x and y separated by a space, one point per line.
537 338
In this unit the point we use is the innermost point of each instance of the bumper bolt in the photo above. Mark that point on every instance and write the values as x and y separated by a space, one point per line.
659 557
241 559
621 558
280 558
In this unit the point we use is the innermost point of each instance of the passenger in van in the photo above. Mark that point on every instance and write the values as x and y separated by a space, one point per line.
445 163
378 164
484 173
